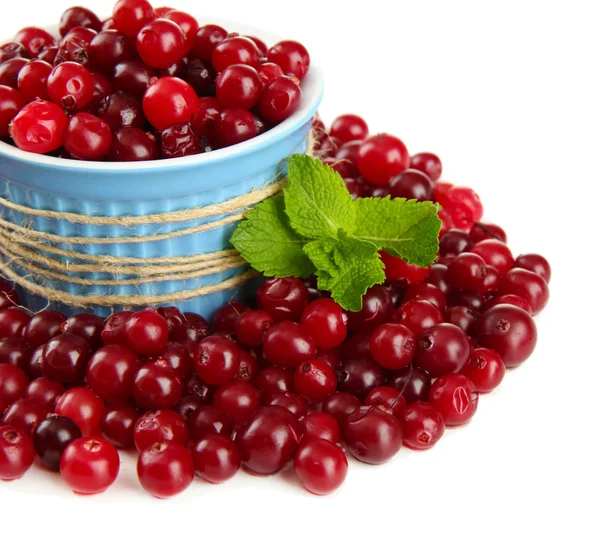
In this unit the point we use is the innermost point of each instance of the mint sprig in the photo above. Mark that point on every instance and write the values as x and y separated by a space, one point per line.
316 228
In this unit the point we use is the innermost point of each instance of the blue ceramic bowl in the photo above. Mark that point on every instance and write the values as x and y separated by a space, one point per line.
115 189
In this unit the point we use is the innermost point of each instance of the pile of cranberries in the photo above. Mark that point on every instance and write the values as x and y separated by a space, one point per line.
145 84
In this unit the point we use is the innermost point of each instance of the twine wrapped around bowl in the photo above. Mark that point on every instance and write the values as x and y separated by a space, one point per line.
108 236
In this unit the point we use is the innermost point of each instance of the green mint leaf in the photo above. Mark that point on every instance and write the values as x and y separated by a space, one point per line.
265 239
316 199
405 229
346 266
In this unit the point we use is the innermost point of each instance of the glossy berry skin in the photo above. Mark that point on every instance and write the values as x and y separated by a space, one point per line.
165 469
157 386
442 349
528 285
16 453
248 367
269 72
207 38
11 103
9 72
34 39
51 437
251 326
118 424
372 436
456 397
162 425
146 332
508 330
288 345
39 127
467 271
208 420
381 157
179 140
280 99
412 382
349 127
168 101
120 109
130 144
268 440
45 391
485 368
423 425
109 48
161 43
216 458
78 17
387 399
132 77
12 322
411 184
33 79
463 205
471 299
510 299
65 358
111 371
238 399
273 380
315 380
359 377
89 465
129 16
485 231
283 298
325 321
291 56
321 466
84 407
321 425
377 309
15 351
87 326
454 242
535 263
87 137
233 126
418 315
235 50
42 327
429 163
463 317
187 24
340 405
71 86
495 253
217 360
177 358
25 414
12 50
393 345
239 86
114 329
226 316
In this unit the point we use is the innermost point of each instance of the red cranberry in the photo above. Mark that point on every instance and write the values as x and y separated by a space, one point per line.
411 184
321 466
315 380
535 263
273 380
325 321
71 86
65 358
33 367
413 383
12 50
83 407
283 298
226 317
163 425
74 47
238 399
429 163
109 48
111 371
359 377
42 327
33 80
157 386
280 99
89 465
187 405
39 127
117 426
251 325
51 437
442 349
463 205
11 103
467 299
349 127
194 386
15 351
288 400
201 76
528 285
45 391
456 397
34 39
187 24
208 420
463 317
233 126
288 345
88 137
177 358
393 345
467 271
340 405
423 425
321 425
131 144
114 329
495 253
217 360
216 458
169 101
146 332
508 330
165 469
291 56
239 86
248 367
234 50
132 77
78 16
207 38
25 414
381 157
16 453
418 315
121 110
372 436
10 70
87 326
454 242
267 441
129 16
161 43
269 72
377 309
398 269
485 368
387 399
510 299
13 322
484 231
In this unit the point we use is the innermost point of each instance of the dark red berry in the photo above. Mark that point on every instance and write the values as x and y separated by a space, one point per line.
238 399
51 437
288 345
291 56
165 469
321 466
157 386
216 458
207 420
117 426
217 360
423 425
16 453
456 397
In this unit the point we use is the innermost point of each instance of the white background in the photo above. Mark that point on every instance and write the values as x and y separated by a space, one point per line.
507 94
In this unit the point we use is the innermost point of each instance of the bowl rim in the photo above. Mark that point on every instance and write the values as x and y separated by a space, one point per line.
312 93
